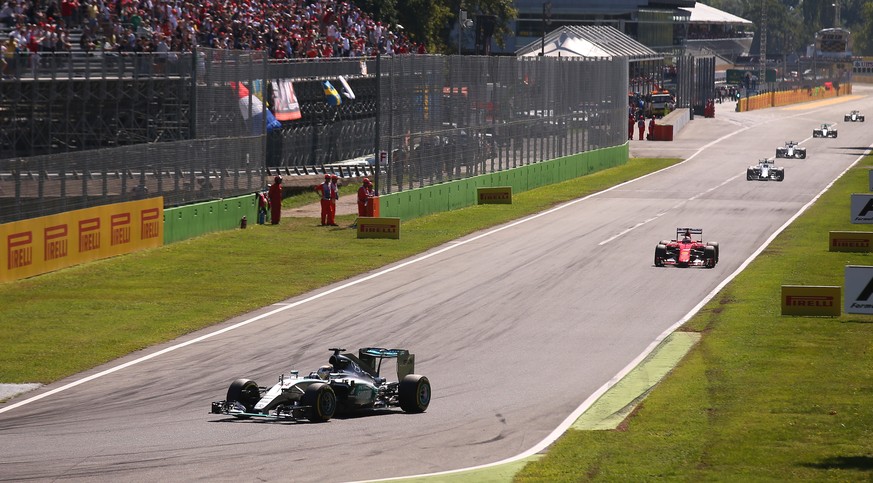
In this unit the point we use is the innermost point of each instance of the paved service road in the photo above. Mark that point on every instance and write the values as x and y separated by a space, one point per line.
514 327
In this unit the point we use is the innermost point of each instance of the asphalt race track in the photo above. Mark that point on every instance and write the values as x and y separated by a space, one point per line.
514 327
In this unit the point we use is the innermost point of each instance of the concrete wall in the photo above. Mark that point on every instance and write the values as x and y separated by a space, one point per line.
461 193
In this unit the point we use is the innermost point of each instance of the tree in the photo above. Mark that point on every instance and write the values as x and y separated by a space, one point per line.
434 22
863 33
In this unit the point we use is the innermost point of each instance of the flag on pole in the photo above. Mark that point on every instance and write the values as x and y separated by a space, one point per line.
285 101
347 90
255 113
331 95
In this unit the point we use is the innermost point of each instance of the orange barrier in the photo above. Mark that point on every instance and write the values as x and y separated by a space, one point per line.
794 96
662 132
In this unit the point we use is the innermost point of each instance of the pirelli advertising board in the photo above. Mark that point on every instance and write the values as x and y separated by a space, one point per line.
850 241
499 195
811 300
40 245
859 289
862 208
371 227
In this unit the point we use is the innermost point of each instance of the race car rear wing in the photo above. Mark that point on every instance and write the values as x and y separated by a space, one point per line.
691 231
372 358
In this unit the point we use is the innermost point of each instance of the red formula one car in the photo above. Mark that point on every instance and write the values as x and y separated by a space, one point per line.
685 251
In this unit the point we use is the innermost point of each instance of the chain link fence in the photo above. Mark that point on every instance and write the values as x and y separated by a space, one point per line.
193 127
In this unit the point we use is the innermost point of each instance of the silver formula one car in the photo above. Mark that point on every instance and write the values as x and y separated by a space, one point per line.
348 384
825 131
854 116
765 171
791 150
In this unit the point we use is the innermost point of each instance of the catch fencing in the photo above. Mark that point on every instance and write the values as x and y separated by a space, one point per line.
190 127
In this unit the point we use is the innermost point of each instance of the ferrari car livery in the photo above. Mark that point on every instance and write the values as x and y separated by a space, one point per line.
854 116
765 171
685 251
791 150
347 384
825 131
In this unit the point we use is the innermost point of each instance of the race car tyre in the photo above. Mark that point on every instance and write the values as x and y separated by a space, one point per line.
709 258
802 154
750 175
846 118
414 393
245 392
664 242
321 401
660 255
779 175
861 118
714 245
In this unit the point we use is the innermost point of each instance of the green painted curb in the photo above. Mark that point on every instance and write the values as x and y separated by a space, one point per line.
606 413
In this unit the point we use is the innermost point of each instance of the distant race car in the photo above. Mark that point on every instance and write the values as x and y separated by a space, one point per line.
348 384
765 171
791 150
854 116
825 131
685 251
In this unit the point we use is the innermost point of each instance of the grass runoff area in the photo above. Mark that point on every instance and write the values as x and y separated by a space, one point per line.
761 398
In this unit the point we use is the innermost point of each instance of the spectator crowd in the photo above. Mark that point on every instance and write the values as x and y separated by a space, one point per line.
283 28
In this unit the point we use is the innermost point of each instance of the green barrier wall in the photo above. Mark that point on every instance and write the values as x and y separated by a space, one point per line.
461 193
183 222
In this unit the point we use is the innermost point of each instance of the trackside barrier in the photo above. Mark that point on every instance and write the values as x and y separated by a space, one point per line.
671 124
44 244
183 222
453 195
793 96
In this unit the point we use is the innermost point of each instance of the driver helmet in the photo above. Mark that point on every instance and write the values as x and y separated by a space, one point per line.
323 372
687 236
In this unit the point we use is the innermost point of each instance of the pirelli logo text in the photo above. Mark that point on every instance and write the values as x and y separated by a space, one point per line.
151 224
811 300
40 245
850 241
367 228
89 234
19 248
120 229
372 227
495 195
55 242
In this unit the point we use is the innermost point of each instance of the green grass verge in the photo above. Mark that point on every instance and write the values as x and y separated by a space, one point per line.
763 397
64 322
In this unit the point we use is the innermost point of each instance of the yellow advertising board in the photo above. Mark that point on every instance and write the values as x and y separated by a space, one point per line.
40 245
371 227
850 241
811 300
498 195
